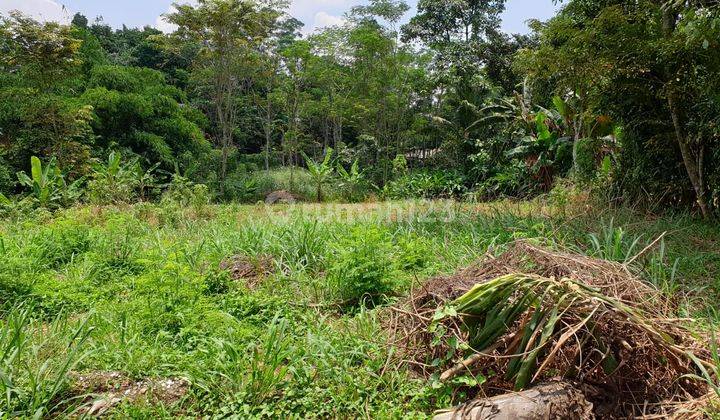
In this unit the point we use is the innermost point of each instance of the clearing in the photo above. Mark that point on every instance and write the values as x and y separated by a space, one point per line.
338 311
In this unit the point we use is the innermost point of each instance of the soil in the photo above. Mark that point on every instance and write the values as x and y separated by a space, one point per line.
251 270
107 389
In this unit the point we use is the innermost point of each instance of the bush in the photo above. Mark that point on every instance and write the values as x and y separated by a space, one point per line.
297 181
115 182
362 266
354 187
426 184
186 193
58 244
243 187
7 181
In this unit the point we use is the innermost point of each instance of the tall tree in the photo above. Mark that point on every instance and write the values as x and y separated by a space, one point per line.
229 32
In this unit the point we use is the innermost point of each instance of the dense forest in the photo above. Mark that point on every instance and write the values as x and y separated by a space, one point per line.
410 214
621 95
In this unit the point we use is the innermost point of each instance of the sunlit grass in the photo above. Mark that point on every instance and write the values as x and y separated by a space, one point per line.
299 342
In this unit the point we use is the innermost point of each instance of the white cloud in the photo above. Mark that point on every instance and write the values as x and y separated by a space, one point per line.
165 26
318 13
323 20
43 10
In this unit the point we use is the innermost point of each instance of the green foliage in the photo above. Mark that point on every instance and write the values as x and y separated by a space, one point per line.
34 372
425 184
148 278
47 185
136 109
353 183
361 269
185 193
614 244
6 178
366 265
664 97
321 172
118 182
44 53
295 180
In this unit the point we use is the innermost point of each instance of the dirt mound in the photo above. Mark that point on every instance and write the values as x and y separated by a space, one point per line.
280 197
109 389
251 270
632 362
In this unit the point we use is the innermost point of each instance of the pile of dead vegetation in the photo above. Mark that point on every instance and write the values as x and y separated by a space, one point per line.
533 315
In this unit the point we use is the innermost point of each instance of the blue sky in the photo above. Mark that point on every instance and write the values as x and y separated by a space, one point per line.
314 13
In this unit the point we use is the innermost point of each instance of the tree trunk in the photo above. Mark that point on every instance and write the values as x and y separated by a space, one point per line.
692 166
554 400
268 132
576 144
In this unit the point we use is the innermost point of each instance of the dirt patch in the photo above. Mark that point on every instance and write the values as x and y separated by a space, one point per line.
644 374
109 389
280 197
250 270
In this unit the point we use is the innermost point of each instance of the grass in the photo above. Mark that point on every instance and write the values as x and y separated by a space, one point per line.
138 289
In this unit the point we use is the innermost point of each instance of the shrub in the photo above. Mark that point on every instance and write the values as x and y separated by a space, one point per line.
353 183
426 184
295 180
6 179
243 187
362 266
183 192
115 182
47 184
58 244
320 172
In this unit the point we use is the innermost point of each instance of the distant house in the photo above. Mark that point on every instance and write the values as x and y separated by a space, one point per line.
421 155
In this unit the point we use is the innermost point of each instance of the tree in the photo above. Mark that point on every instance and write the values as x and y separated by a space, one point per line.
133 108
80 21
268 97
439 24
45 54
229 31
651 66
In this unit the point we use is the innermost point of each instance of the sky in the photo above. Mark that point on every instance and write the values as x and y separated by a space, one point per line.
314 13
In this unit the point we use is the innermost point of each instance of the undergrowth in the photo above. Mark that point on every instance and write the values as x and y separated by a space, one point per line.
138 289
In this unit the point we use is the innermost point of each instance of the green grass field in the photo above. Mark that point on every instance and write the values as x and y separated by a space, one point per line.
140 291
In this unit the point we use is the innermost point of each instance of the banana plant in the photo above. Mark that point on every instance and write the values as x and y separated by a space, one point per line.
44 182
353 180
321 172
47 183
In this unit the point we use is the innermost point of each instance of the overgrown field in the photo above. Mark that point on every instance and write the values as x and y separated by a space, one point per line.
258 311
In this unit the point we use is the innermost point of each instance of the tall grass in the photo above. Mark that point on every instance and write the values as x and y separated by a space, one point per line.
279 347
614 243
35 359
